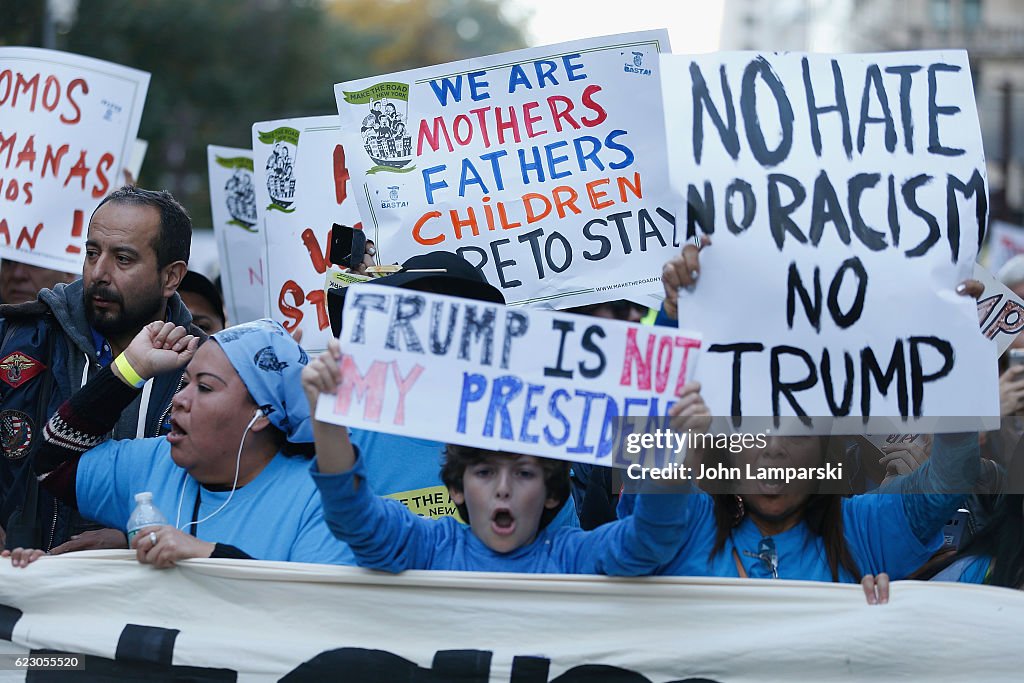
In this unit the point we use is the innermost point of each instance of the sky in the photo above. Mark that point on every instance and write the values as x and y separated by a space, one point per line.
693 25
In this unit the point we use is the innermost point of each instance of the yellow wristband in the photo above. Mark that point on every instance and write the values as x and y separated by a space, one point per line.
128 372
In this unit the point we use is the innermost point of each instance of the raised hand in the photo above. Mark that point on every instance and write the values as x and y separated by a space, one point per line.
321 375
160 347
681 271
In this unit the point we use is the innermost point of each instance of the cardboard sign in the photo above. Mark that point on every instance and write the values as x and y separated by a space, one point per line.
237 229
847 197
67 127
1000 311
302 189
545 168
480 374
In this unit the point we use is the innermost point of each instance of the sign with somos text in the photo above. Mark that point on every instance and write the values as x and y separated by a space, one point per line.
67 127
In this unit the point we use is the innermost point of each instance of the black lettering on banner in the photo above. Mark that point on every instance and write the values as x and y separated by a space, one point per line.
896 371
407 308
533 237
909 192
438 347
700 210
480 262
893 213
361 302
975 187
737 349
825 208
9 617
565 327
474 327
618 219
838 409
779 220
873 84
741 186
918 378
566 252
726 129
590 345
501 264
671 220
839 107
872 239
935 111
856 309
751 122
530 669
606 244
149 644
812 305
649 229
780 388
516 325
906 116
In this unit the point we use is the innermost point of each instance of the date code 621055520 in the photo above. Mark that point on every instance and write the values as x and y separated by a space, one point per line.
42 662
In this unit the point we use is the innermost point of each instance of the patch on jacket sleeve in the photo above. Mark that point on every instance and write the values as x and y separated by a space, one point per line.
15 434
16 368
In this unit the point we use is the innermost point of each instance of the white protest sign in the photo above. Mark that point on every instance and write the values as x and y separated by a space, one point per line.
67 126
480 374
138 154
236 227
847 196
1005 240
544 168
1000 311
302 190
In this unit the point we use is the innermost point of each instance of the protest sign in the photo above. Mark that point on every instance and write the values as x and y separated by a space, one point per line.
847 198
544 168
1000 311
133 165
1005 241
237 228
247 620
67 127
302 189
533 382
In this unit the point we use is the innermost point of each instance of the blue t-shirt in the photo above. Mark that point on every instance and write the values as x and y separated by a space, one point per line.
877 532
276 516
409 471
385 535
969 569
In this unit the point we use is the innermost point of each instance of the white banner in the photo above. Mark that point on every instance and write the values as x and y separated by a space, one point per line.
271 621
302 189
67 127
521 381
545 168
847 197
236 227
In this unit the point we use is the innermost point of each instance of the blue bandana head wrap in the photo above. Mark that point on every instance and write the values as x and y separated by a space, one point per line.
269 362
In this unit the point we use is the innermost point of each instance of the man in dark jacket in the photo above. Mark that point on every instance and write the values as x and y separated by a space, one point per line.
137 252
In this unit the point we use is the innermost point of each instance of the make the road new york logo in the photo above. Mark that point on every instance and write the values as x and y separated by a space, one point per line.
394 200
637 67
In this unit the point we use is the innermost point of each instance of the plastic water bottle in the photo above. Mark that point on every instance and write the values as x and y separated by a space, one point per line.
145 514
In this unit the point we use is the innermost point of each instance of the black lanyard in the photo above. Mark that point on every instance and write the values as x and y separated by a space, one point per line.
193 527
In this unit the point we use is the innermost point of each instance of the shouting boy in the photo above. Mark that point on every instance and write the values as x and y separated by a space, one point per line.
506 498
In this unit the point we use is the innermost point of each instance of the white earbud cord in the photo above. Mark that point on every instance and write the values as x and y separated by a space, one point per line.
234 484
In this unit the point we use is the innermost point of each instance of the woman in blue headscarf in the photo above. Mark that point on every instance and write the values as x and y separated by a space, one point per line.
230 473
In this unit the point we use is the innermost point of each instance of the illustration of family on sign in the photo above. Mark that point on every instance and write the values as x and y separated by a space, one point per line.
385 136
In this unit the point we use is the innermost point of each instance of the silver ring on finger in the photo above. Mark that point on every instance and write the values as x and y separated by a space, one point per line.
152 538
